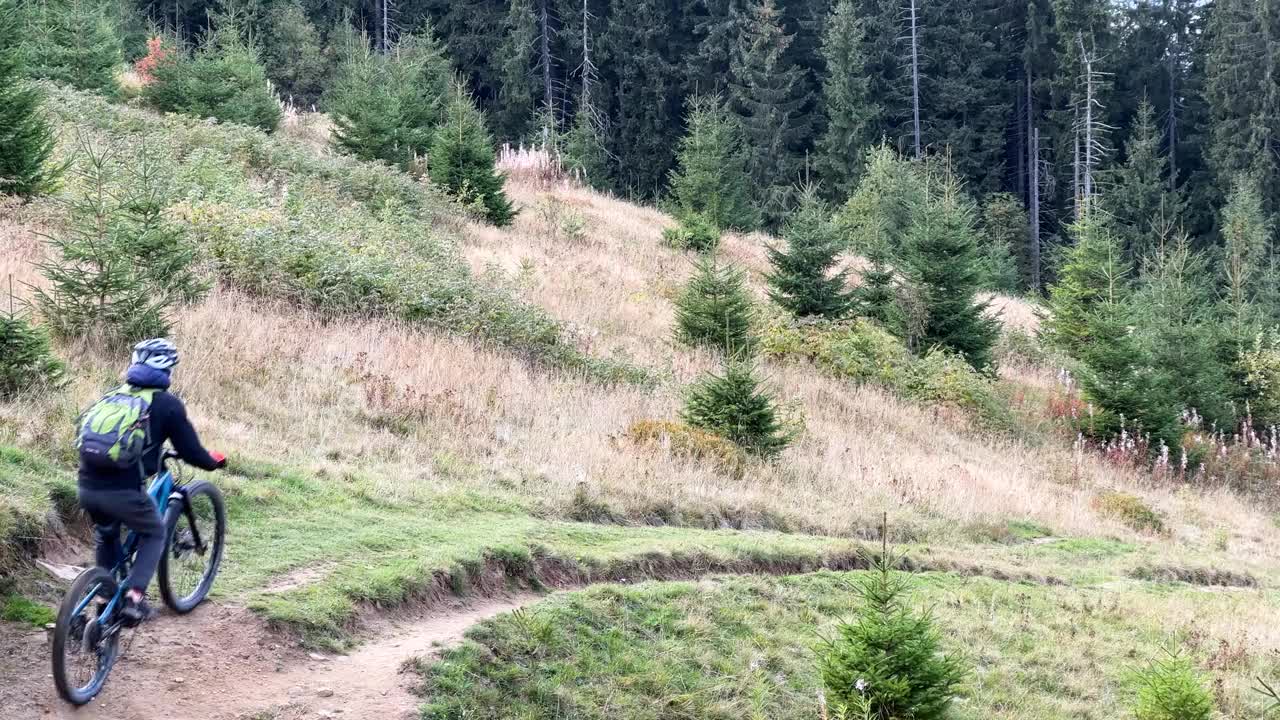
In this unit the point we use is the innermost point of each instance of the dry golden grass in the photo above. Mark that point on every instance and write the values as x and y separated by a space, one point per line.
314 129
427 414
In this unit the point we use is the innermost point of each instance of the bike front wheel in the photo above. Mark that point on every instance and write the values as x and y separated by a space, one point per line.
84 649
197 527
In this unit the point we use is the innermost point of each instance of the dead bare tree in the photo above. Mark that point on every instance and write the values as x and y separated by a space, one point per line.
588 70
915 76
544 52
1090 131
1033 191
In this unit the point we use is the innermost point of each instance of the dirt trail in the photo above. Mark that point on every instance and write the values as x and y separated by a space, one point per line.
221 663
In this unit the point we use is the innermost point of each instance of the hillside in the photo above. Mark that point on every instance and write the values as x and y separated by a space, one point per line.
431 420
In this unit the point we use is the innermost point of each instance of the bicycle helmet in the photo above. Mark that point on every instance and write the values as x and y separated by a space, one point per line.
157 353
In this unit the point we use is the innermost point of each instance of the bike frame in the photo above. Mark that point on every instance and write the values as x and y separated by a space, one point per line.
163 489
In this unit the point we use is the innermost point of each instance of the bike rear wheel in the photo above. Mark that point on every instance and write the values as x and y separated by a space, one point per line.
83 649
196 527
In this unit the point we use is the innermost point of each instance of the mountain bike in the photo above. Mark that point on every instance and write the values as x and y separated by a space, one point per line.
86 637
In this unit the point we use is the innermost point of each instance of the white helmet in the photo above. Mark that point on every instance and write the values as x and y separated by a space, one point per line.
158 353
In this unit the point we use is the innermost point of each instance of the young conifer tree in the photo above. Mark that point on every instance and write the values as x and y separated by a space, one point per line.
712 178
462 160
714 310
802 280
943 264
26 136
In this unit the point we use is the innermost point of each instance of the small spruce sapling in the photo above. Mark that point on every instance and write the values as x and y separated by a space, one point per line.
736 406
25 358
889 659
1171 689
714 310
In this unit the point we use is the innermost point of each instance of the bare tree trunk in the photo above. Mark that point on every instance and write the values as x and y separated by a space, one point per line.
588 67
545 50
1033 247
1173 120
1022 142
1028 130
915 78
1075 167
1088 124
385 46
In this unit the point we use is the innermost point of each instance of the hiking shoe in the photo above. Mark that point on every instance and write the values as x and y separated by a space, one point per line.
136 612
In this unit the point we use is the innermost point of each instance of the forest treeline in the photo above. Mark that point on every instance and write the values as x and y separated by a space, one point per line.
1040 99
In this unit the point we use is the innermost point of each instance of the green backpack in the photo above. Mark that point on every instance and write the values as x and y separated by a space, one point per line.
116 432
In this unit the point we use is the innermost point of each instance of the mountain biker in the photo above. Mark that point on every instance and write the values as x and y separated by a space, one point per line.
115 496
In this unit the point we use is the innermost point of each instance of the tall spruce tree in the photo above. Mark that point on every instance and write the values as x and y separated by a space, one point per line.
768 94
714 310
584 154
462 160
878 214
1244 266
517 60
1146 211
942 261
637 45
294 57
1243 90
801 280
712 177
26 136
854 118
73 42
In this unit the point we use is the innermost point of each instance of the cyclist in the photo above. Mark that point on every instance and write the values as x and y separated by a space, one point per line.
111 480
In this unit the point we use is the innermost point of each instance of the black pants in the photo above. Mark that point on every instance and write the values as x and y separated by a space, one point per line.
109 509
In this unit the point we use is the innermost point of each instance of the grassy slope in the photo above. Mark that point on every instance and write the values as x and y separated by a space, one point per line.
404 461
745 648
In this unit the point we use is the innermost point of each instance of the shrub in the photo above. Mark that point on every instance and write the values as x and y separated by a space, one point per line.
714 310
942 377
684 441
25 358
1171 690
857 350
1129 509
121 266
889 659
462 161
735 406
223 79
695 232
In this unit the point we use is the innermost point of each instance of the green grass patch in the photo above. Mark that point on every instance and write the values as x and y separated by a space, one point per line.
31 488
734 648
15 608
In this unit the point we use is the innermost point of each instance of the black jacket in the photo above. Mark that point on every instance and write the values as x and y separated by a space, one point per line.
168 422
